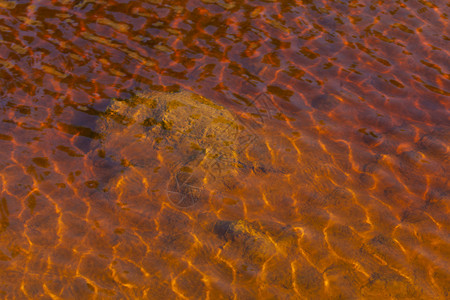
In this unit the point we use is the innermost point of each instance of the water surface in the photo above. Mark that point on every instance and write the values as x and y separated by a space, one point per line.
350 99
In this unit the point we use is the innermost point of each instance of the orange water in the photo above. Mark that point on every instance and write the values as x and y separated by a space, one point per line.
351 99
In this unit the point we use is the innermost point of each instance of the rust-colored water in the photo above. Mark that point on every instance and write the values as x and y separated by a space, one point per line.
350 200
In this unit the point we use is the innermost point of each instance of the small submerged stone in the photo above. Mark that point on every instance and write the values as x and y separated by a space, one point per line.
254 244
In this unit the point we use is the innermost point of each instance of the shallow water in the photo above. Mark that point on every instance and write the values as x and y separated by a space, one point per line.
347 198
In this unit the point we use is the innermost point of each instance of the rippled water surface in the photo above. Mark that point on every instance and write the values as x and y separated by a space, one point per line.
336 184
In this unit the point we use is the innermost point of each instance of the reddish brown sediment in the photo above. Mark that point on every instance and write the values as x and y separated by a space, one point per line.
345 195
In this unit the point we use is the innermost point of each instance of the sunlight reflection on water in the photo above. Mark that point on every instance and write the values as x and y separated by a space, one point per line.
337 187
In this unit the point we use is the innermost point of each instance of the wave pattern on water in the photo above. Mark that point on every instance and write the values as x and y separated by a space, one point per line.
346 197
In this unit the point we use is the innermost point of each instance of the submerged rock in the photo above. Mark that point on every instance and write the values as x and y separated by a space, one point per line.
254 244
257 244
198 141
